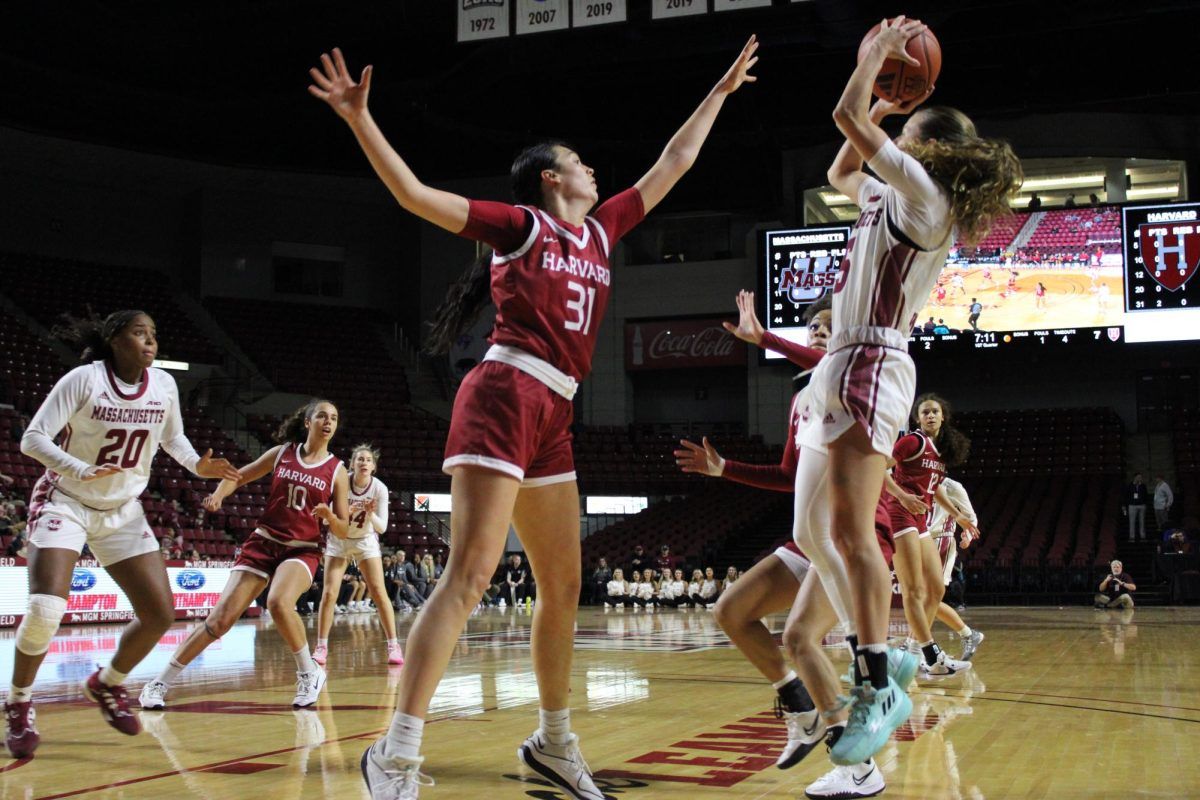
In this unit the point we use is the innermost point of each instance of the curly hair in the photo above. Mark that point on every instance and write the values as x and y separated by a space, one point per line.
952 443
981 176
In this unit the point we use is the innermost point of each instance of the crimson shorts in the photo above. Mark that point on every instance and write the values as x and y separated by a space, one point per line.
905 522
883 536
509 421
262 556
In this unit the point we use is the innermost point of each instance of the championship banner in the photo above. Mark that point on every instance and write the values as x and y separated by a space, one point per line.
666 9
538 16
596 12
482 19
681 344
738 5
96 597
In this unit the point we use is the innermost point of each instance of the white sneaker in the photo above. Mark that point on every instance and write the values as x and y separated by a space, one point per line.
339 609
945 666
561 764
153 696
859 780
392 778
805 731
308 687
971 644
502 604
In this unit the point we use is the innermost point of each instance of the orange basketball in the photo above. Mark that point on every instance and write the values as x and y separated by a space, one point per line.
900 82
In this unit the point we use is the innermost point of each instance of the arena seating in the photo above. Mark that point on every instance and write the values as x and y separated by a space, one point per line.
1003 231
46 287
1071 230
1187 470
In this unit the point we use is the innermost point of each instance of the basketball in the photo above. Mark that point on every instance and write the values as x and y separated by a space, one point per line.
900 82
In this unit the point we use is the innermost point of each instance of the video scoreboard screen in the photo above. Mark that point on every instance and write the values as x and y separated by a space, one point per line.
1093 277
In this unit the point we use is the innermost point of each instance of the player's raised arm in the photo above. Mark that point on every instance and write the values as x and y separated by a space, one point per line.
333 84
247 474
681 152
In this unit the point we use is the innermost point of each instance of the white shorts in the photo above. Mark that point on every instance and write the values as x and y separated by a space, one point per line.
798 564
948 570
867 378
112 536
355 550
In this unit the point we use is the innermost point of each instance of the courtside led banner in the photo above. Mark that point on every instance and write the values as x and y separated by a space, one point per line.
95 596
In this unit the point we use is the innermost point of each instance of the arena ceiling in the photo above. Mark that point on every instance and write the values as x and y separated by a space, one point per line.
225 82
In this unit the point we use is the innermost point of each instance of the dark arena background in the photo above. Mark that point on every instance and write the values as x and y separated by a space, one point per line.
167 157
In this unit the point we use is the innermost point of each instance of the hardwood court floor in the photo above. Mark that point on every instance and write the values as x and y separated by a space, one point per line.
1061 704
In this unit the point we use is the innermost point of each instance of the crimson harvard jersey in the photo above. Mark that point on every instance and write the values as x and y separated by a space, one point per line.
919 467
550 279
296 489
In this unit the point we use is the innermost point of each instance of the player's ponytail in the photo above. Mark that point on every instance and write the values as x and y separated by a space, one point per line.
292 430
952 444
469 295
95 335
980 175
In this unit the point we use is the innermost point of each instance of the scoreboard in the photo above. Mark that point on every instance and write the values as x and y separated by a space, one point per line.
1162 255
798 267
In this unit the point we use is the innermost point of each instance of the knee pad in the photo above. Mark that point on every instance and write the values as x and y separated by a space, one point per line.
40 624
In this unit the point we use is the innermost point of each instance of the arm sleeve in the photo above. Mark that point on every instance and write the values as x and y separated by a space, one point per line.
620 213
501 226
379 520
174 441
67 397
761 476
921 208
800 355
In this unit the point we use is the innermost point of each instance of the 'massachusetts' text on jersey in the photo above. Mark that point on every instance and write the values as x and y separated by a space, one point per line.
100 420
363 522
550 279
296 489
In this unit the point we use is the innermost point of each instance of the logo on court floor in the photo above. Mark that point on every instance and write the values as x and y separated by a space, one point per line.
1170 252
82 580
190 580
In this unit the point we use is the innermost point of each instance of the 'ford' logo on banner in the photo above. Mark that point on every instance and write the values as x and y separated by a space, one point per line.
82 580
190 580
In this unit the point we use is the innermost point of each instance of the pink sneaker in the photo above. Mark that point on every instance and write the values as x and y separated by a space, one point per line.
395 655
114 705
320 654
22 738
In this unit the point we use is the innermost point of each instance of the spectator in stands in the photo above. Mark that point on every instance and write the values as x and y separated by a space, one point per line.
16 547
414 577
618 590
6 480
1070 202
165 548
17 430
973 315
731 576
406 593
679 589
638 559
710 589
634 589
664 592
1093 199
1164 498
1135 507
194 555
430 572
1115 588
693 588
1035 202
601 575
941 329
929 325
308 600
1176 543
665 563
8 517
516 579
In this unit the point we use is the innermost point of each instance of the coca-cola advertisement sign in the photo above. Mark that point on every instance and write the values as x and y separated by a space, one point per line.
681 344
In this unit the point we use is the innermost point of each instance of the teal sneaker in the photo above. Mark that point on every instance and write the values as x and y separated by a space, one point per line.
874 714
902 668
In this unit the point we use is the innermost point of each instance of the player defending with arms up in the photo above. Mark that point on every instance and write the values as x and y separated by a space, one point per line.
509 447
109 415
939 175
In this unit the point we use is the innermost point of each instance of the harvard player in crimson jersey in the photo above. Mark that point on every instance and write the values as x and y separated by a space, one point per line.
109 417
309 488
939 176
919 462
509 446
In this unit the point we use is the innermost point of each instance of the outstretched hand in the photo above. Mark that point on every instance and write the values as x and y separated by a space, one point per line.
209 467
333 84
212 503
748 329
704 460
739 72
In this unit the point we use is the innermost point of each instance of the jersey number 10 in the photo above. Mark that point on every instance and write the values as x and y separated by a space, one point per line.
297 496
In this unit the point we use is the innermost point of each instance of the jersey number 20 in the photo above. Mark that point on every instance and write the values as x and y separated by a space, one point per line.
129 443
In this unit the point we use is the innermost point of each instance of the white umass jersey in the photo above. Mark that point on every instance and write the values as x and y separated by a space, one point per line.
103 420
942 524
896 249
363 523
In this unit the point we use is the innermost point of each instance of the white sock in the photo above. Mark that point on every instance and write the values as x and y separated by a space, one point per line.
965 632
323 643
556 725
404 736
110 677
785 680
171 672
304 662
393 643
20 694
